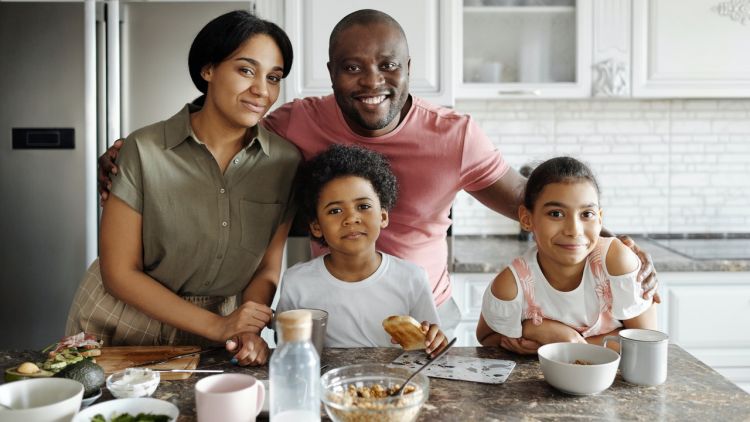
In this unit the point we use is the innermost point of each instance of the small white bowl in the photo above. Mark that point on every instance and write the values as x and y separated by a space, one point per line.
41 400
132 406
133 383
560 370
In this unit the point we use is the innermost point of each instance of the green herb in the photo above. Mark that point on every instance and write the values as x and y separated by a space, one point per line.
98 418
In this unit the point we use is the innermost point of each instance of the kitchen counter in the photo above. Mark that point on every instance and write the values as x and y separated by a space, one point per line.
693 391
491 254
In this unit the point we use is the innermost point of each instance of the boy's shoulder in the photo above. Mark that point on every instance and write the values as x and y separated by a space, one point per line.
403 266
302 270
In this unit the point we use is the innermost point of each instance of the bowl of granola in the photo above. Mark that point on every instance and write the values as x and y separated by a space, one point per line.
363 393
577 368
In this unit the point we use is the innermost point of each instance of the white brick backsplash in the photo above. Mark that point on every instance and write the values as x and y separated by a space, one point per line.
667 166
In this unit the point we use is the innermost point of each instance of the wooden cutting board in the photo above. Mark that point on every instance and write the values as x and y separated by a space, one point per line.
118 358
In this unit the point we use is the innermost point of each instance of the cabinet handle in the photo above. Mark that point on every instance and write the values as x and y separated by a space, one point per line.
535 92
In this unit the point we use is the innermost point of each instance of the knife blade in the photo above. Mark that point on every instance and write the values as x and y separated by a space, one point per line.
160 361
213 371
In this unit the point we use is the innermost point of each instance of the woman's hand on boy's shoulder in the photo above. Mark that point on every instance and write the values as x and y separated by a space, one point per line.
647 274
435 338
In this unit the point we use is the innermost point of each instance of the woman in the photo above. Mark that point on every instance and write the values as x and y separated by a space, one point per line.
201 207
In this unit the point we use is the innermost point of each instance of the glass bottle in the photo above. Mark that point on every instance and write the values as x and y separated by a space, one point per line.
294 370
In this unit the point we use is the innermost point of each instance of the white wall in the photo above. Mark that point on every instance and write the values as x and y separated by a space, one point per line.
670 166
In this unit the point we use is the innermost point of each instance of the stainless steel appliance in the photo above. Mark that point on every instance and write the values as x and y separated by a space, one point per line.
101 69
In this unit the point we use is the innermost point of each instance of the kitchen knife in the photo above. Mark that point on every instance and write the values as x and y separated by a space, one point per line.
214 371
160 361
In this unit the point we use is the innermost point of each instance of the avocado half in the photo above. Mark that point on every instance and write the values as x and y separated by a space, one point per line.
87 372
12 374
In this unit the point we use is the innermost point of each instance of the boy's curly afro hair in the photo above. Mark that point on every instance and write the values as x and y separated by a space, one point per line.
340 161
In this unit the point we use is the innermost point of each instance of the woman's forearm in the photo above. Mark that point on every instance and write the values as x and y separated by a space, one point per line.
262 286
149 296
121 260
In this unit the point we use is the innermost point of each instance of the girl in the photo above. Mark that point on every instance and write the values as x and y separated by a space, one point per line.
200 208
573 286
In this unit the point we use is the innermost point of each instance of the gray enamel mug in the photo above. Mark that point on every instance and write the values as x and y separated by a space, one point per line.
643 355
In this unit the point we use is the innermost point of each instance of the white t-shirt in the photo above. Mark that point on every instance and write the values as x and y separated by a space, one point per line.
356 310
578 308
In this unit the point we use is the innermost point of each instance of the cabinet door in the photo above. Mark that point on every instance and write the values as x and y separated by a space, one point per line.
710 316
524 49
696 48
429 32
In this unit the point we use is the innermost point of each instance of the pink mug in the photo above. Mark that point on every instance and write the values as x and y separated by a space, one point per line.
229 398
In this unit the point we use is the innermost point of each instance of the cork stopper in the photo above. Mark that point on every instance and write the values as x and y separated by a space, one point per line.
294 325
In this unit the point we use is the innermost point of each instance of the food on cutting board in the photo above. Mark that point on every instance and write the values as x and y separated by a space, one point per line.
70 350
88 373
24 371
406 330
126 417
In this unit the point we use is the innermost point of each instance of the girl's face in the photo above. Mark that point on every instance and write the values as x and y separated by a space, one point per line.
245 85
349 215
566 222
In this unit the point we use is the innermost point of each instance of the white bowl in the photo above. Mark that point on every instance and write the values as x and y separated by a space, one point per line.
131 406
133 383
560 371
40 400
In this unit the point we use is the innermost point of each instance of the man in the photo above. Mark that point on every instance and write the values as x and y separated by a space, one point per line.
434 152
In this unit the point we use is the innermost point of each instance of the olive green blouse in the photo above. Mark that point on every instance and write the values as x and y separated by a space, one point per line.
204 232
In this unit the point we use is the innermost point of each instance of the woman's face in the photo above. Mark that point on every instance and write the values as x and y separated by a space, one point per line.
245 85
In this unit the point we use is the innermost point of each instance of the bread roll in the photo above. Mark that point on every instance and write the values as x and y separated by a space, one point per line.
406 330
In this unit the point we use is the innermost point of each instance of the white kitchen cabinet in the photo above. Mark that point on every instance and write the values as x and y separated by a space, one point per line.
707 314
468 289
524 49
691 49
429 29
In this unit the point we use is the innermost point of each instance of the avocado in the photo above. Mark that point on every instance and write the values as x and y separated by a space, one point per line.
13 374
87 373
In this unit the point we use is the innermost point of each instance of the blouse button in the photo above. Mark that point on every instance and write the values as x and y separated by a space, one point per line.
224 224
222 190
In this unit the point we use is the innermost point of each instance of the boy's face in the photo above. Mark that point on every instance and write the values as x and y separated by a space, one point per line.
349 215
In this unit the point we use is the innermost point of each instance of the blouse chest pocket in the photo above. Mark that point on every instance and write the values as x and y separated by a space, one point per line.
259 222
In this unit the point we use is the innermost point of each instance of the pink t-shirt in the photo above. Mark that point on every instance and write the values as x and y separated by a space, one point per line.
434 152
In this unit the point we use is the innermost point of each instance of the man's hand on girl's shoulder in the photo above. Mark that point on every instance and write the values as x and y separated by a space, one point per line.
647 274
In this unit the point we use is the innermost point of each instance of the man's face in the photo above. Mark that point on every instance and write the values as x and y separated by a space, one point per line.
369 70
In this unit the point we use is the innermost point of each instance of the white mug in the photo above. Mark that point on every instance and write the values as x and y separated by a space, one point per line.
643 355
229 398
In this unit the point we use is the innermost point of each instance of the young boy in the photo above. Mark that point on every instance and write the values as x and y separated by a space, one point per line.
345 195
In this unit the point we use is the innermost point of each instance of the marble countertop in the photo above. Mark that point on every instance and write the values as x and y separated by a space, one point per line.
491 254
693 391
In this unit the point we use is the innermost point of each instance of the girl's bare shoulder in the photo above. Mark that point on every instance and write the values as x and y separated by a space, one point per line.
621 259
504 285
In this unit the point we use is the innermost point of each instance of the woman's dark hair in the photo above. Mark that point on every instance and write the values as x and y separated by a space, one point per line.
341 161
556 170
223 35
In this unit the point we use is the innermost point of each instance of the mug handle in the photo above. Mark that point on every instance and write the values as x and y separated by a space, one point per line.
261 397
612 338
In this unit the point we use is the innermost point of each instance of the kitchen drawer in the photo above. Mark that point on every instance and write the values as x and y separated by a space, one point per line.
468 289
709 316
466 334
